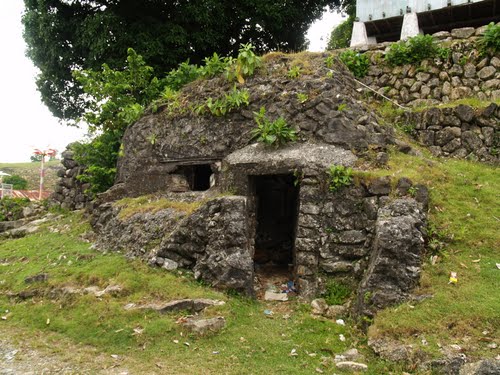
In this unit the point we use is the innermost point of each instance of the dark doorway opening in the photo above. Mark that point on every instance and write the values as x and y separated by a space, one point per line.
276 216
197 176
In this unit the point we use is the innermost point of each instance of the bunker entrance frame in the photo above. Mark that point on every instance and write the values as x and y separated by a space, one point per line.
276 218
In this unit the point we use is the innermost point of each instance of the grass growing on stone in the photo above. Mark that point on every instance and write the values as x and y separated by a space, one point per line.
152 204
472 102
465 216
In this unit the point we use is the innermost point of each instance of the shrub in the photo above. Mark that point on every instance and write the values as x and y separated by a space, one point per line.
490 41
18 182
336 293
414 50
357 63
339 176
274 133
99 156
12 208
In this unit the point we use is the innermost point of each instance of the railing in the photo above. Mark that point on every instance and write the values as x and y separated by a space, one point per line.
5 190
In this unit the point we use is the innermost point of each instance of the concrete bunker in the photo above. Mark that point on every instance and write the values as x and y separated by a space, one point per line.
276 212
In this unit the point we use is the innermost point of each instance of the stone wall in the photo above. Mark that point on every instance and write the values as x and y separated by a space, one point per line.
465 74
213 241
336 231
339 235
459 132
69 192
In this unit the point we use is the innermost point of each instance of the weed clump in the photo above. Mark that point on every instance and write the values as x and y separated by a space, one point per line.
336 293
415 50
357 63
339 177
273 133
490 41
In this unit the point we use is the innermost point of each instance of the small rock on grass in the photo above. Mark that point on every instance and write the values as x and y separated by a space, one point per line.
41 277
354 366
271 296
203 326
319 306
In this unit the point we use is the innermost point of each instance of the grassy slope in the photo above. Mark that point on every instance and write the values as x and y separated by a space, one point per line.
465 211
464 206
31 172
250 344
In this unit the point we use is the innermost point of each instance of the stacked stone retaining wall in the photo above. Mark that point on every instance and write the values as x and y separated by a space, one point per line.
461 132
466 73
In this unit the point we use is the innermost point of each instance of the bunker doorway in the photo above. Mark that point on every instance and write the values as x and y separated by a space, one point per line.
276 223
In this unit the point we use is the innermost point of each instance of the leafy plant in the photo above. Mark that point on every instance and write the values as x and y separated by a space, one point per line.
294 72
336 293
414 50
489 43
342 107
214 65
413 190
181 76
171 98
408 129
302 97
117 98
339 177
244 65
340 36
298 177
99 157
357 63
329 61
274 133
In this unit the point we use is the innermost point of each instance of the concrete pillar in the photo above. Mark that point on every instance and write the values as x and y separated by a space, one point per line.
359 37
410 26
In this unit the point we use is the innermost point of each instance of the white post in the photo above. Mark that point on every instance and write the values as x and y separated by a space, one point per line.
42 174
359 37
410 26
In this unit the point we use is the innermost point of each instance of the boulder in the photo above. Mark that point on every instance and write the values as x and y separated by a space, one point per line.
463 33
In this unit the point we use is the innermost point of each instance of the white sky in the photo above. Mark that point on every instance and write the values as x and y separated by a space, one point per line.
25 122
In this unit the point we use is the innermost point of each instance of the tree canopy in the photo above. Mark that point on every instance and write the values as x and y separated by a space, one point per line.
67 35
